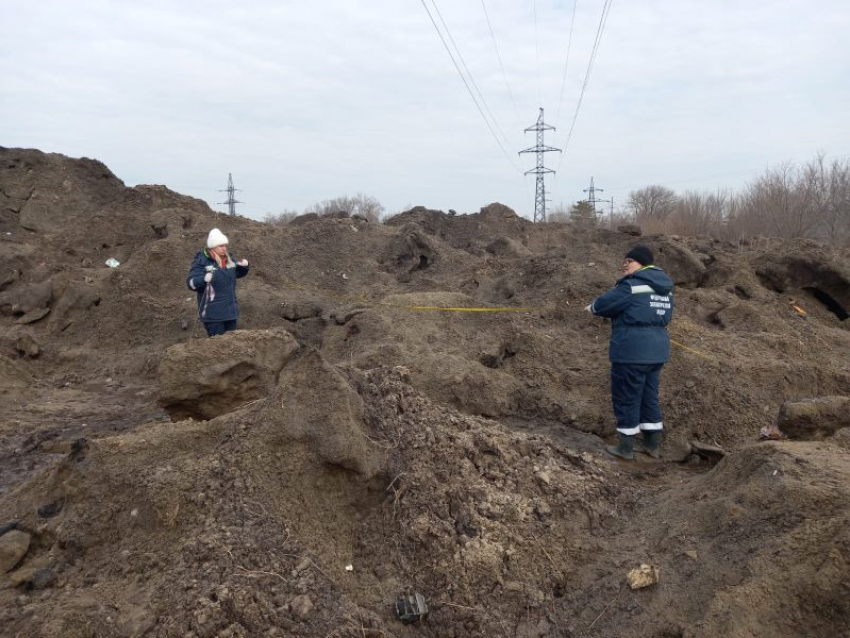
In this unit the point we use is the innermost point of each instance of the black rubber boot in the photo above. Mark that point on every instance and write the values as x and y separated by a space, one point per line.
652 443
625 449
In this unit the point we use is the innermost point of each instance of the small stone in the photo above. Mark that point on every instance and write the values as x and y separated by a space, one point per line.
301 607
303 564
13 547
543 510
643 576
692 554
544 476
690 383
27 347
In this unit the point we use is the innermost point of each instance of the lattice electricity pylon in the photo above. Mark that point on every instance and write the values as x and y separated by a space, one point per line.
231 199
591 195
539 169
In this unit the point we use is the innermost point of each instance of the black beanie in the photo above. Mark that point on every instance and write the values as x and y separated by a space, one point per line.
641 254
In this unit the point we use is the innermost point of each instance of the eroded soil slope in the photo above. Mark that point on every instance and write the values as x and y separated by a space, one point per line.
351 443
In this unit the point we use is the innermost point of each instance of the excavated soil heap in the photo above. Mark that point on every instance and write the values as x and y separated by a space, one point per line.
351 444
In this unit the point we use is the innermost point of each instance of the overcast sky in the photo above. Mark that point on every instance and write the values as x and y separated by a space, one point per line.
305 101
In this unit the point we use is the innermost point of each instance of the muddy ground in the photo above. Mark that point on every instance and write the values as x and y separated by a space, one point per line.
350 444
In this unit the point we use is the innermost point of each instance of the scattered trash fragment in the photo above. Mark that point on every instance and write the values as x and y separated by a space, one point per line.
112 262
771 433
412 608
349 568
643 576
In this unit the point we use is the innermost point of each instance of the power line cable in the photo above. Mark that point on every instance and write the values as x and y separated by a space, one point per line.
466 84
606 9
537 54
469 73
566 64
501 66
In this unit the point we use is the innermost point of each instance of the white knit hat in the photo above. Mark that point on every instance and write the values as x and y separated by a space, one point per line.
216 238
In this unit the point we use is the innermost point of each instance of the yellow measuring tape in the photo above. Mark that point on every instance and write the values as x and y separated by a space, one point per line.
684 347
366 302
457 309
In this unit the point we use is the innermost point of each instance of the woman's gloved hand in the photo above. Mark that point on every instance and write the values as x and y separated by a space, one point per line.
208 277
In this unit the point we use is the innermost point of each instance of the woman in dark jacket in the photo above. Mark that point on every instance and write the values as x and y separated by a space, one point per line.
213 276
640 306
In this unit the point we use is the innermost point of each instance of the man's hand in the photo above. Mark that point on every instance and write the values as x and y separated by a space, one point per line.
208 277
243 263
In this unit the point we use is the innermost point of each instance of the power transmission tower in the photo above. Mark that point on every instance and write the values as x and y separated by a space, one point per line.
591 195
539 169
231 199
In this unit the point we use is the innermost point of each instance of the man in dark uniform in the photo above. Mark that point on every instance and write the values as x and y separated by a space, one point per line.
640 306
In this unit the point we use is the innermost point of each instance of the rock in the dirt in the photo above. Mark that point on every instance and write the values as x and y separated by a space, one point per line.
25 298
814 418
710 453
33 578
13 547
206 378
319 408
533 629
301 607
643 576
683 266
32 316
27 347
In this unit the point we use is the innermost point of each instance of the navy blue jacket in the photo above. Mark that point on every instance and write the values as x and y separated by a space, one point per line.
219 303
641 306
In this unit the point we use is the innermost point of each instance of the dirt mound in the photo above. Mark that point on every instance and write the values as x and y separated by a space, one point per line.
205 379
423 401
216 526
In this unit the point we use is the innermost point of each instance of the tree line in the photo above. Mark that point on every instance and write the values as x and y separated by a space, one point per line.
364 205
811 201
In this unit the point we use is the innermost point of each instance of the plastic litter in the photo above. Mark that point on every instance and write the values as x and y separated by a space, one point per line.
112 262
412 608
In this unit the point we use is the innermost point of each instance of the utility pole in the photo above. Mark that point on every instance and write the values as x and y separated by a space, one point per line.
231 199
539 169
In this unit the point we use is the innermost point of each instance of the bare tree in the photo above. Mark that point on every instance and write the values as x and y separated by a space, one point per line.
280 219
699 213
652 203
558 214
363 205
812 200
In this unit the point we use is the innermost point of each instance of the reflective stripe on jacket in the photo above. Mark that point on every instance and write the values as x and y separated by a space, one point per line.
641 306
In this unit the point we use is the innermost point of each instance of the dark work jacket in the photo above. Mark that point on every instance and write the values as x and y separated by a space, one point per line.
641 306
219 304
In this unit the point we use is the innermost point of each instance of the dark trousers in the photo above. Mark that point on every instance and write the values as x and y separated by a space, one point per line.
219 327
634 393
